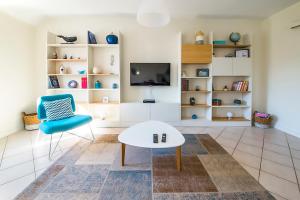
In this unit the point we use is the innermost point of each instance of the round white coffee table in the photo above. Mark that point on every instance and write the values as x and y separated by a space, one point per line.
141 135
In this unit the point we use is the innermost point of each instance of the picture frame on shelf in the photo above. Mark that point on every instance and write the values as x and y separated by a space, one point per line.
242 53
91 38
53 82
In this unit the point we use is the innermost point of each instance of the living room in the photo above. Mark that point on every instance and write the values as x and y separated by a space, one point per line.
164 96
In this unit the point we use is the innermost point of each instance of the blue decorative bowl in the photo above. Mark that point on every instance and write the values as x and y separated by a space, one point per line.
112 39
194 116
235 37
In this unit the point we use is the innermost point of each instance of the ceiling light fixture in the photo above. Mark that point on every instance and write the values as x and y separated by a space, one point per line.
153 13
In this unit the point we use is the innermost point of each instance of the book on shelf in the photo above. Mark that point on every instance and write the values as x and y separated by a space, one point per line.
240 86
53 82
184 85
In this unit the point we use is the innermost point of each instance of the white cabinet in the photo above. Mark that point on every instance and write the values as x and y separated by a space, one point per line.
135 112
222 66
169 112
139 112
241 66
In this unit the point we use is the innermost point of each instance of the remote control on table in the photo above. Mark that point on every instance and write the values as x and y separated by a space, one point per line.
164 137
155 138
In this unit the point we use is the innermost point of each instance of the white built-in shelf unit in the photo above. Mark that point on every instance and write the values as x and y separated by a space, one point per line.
105 57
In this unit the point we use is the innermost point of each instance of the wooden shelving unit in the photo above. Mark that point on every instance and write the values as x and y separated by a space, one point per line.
106 57
223 71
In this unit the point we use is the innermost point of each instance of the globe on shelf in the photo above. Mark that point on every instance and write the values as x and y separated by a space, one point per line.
235 37
229 115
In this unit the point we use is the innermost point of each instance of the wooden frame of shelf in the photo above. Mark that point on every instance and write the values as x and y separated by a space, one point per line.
195 106
233 119
231 106
231 46
67 60
230 91
195 91
195 77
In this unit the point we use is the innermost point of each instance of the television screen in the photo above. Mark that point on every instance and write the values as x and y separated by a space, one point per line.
150 74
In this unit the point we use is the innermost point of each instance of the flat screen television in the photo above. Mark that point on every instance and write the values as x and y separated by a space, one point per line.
150 74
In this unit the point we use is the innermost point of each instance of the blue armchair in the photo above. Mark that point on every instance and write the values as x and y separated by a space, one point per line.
62 125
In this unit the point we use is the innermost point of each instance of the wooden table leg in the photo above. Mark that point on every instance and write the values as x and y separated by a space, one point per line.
178 158
123 154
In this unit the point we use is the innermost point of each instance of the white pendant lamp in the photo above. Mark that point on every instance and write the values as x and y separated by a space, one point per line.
153 13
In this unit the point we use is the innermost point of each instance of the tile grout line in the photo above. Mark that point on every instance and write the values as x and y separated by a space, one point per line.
292 161
261 158
220 133
239 141
1 159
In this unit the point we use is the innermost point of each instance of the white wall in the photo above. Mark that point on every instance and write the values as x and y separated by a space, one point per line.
16 72
283 69
151 45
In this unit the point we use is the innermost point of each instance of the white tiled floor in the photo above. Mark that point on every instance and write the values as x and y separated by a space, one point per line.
270 156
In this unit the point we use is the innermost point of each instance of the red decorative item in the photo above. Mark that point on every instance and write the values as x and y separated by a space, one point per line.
84 82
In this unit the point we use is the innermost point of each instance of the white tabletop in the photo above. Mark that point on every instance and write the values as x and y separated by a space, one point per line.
141 135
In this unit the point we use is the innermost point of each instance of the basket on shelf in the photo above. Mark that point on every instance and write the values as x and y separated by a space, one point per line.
31 121
262 120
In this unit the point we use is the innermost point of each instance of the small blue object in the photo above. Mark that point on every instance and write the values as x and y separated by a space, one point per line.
219 42
72 84
112 39
114 85
98 84
194 116
81 71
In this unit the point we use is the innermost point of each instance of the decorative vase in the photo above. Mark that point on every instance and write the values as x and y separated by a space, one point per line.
114 85
96 70
235 37
62 70
72 84
112 39
192 101
199 37
194 116
98 84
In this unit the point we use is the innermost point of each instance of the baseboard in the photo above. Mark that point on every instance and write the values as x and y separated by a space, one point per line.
287 130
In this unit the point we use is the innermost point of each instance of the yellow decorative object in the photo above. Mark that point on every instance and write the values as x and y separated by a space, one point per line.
31 121
199 37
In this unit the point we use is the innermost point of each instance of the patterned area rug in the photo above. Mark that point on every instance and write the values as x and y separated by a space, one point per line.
94 172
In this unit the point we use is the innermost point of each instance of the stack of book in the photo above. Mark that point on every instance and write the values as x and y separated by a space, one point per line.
240 86
184 85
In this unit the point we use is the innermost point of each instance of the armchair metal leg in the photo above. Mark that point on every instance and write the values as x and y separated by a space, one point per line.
50 149
92 133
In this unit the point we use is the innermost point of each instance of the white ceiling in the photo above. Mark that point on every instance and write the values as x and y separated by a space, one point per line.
33 11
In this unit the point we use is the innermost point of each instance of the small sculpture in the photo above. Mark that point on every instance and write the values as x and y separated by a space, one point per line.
194 116
62 69
192 101
114 85
199 37
225 88
54 55
112 60
65 56
197 88
68 40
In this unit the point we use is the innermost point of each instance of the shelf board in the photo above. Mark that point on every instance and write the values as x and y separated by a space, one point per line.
64 89
67 60
231 46
103 45
225 119
195 106
230 91
109 103
231 106
103 89
194 77
194 91
66 74
105 74
68 45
